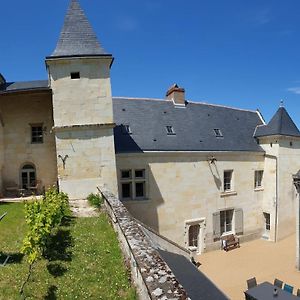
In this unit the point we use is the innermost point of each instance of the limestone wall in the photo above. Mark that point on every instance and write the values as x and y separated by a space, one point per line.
283 201
18 111
183 187
88 160
81 101
83 124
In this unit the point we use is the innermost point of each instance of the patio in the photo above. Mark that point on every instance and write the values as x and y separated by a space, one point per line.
264 260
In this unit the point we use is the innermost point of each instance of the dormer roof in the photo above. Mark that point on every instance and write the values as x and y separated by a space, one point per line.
280 124
77 37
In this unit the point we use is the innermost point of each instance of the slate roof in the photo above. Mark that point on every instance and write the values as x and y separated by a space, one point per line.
194 127
24 86
280 124
77 37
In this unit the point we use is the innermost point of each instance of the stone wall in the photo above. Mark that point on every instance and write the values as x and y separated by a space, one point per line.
185 187
153 278
18 112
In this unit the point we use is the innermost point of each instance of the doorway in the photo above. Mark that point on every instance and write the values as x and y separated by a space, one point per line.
194 235
28 176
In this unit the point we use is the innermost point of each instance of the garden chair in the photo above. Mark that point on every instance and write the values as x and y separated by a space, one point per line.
288 288
278 283
251 283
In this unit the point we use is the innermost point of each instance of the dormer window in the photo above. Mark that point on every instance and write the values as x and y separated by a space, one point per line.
170 130
75 75
126 129
218 132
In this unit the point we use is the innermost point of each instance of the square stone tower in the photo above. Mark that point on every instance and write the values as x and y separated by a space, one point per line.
79 76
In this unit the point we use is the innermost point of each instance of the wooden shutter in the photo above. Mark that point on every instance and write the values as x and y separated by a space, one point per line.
216 225
239 221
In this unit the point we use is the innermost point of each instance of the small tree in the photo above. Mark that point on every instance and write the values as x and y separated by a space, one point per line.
42 217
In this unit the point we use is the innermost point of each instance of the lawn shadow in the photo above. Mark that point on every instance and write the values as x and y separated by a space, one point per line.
14 258
56 269
51 293
59 248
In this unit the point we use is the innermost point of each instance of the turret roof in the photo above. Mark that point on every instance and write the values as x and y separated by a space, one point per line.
280 124
77 37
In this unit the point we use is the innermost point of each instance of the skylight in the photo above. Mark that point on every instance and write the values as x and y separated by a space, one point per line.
126 129
218 132
170 130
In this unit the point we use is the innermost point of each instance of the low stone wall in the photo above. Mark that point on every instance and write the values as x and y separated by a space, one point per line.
151 275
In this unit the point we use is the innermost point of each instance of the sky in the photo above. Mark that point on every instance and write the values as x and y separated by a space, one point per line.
238 53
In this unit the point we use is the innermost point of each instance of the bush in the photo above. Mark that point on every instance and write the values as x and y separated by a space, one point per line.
95 200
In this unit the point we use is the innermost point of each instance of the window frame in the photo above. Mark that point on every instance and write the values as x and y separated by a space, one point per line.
258 179
230 183
267 217
133 179
218 132
35 133
126 129
228 214
170 130
75 75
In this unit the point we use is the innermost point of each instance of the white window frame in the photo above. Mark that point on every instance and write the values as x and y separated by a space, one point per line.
266 224
133 180
230 183
225 225
218 132
170 130
258 179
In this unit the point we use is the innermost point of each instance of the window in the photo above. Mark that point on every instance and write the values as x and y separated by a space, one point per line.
267 221
133 184
258 176
170 130
126 129
75 75
227 180
226 217
193 235
36 134
218 132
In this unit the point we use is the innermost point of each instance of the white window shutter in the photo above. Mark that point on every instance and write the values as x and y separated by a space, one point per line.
239 221
216 225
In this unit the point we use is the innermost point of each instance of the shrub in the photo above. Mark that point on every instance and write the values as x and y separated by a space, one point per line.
95 200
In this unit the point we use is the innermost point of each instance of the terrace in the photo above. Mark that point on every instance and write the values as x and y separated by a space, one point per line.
264 260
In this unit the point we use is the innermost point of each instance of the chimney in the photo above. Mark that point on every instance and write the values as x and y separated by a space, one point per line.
176 94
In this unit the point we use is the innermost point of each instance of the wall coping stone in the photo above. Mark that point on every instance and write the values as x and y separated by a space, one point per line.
151 274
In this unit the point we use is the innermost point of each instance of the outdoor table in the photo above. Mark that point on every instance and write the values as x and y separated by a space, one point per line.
265 291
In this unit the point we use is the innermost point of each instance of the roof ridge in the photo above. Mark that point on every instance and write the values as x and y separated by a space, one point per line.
188 101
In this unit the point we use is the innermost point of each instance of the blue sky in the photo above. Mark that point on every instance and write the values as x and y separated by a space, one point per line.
237 53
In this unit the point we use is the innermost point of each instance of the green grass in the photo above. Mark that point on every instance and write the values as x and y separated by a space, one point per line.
83 261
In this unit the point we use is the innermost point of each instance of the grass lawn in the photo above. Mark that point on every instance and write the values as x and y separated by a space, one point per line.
84 261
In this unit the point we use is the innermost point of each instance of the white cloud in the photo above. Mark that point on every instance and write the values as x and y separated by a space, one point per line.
294 90
262 17
126 23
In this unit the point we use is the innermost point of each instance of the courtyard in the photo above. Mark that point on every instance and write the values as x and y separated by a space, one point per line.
259 258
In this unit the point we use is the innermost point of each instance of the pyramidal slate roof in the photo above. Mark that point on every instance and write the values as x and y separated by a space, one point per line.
280 124
194 127
77 37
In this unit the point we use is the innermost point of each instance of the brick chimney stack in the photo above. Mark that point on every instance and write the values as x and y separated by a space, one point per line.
176 94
